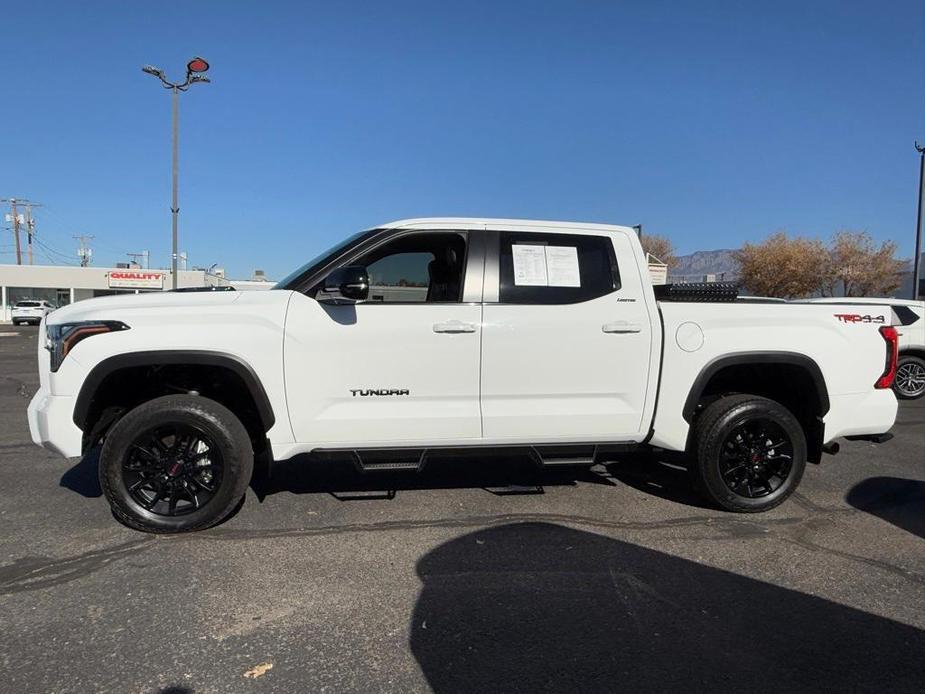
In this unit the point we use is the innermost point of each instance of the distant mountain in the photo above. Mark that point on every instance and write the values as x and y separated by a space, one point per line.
706 263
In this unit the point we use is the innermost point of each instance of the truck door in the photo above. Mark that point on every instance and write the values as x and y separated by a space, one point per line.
403 367
567 338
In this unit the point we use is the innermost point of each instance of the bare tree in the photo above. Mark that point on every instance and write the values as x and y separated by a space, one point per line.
857 267
782 266
661 247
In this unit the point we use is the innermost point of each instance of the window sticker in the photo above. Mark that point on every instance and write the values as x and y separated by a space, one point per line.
562 266
545 266
529 265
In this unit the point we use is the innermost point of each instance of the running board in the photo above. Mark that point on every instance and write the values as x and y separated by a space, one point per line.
413 459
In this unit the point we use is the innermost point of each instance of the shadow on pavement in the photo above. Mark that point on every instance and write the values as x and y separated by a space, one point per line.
660 473
540 607
84 477
894 499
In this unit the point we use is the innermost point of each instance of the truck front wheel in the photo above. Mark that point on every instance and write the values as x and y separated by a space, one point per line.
750 453
175 464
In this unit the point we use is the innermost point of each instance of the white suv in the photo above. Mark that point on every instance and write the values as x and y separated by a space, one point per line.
31 311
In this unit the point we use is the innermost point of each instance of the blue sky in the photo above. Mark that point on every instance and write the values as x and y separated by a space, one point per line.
709 122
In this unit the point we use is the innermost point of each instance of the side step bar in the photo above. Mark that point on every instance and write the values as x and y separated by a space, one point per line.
389 461
563 456
414 459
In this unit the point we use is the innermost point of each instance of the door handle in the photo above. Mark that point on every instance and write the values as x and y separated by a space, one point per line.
454 326
621 327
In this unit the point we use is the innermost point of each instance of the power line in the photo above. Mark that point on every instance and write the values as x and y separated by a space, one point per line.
48 249
63 226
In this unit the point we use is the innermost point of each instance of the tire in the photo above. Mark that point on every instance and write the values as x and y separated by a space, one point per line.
736 467
176 464
909 383
15 323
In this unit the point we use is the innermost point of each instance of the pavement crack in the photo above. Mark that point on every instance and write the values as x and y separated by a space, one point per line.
907 574
34 573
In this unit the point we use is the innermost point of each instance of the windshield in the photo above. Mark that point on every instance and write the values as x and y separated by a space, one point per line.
27 304
319 261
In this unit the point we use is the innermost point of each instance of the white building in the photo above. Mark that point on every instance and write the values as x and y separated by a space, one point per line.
62 285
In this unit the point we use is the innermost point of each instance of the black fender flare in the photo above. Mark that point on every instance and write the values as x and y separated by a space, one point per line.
112 364
743 358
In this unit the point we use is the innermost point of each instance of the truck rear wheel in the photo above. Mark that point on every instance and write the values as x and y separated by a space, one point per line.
750 453
175 464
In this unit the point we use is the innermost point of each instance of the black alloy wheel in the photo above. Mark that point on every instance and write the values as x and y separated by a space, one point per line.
756 458
177 463
173 469
749 453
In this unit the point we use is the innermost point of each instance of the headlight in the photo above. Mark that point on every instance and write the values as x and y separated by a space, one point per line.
61 338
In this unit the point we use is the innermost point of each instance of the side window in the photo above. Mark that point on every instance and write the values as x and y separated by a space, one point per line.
905 315
417 268
556 268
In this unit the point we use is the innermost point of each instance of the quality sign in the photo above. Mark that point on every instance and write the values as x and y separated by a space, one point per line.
134 279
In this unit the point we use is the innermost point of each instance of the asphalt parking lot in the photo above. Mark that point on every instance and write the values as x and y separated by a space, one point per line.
616 579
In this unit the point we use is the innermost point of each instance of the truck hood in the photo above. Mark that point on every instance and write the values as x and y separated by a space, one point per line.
125 306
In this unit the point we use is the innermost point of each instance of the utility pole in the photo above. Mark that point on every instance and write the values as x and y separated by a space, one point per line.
16 230
917 260
17 219
84 252
14 218
30 225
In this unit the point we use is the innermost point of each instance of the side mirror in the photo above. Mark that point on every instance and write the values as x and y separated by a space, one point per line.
345 285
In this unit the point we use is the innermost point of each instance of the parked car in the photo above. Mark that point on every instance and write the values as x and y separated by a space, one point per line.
429 336
909 317
31 311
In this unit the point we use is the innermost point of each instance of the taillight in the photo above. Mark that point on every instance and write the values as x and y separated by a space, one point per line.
892 356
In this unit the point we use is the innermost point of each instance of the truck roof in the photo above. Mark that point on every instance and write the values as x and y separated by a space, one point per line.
493 223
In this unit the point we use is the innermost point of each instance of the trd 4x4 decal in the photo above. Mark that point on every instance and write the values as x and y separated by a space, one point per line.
858 318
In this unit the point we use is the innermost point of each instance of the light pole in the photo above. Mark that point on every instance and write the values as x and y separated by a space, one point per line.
194 70
917 260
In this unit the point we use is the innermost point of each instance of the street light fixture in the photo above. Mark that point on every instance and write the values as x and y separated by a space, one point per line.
194 68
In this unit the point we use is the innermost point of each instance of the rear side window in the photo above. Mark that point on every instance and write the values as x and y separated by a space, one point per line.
905 314
556 268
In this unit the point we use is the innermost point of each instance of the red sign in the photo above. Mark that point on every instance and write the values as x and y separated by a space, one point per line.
136 279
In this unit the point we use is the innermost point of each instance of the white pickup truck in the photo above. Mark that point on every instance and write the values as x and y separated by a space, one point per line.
429 335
